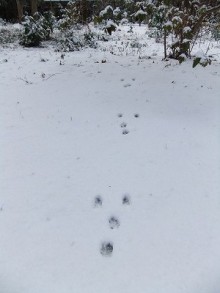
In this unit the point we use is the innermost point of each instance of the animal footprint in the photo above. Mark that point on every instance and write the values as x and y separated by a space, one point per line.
127 85
126 200
136 115
98 201
123 124
120 115
113 223
106 248
125 131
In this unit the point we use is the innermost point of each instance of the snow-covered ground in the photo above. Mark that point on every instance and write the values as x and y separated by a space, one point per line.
63 146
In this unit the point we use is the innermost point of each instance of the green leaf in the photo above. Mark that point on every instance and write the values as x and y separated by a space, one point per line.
196 61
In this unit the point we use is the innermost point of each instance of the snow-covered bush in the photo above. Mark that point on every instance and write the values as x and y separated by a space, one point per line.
9 34
106 13
108 19
124 21
138 11
34 31
77 39
104 16
90 39
130 8
2 22
181 21
109 13
69 41
48 21
110 27
117 14
159 19
140 16
202 59
215 26
68 17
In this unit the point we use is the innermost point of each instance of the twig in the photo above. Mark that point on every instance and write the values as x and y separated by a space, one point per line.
25 80
51 76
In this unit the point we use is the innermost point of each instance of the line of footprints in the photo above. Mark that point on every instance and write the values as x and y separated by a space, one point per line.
124 124
106 248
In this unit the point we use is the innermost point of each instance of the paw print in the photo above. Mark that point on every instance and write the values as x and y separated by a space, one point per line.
113 223
98 201
126 200
106 248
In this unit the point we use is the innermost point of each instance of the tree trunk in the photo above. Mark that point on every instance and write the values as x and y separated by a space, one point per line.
33 7
20 6
165 43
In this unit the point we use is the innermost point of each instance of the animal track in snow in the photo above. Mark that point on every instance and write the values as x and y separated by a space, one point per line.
125 131
126 199
106 248
123 124
98 201
127 85
113 222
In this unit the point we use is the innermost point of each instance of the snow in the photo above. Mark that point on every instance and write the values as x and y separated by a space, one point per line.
117 11
62 146
140 12
186 29
168 24
177 19
110 23
186 41
106 10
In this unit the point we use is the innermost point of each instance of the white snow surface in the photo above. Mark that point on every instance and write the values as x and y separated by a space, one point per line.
61 145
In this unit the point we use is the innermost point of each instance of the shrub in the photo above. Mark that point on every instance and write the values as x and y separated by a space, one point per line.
48 21
110 27
140 16
69 41
9 34
202 59
34 32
